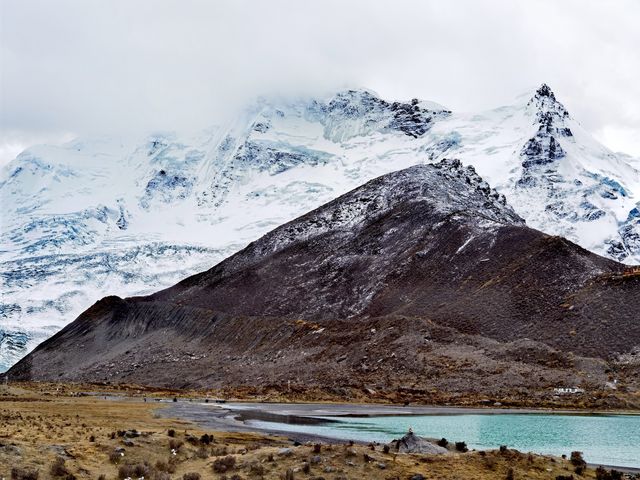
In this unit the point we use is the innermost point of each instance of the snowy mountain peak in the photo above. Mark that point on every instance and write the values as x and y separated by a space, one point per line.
126 217
545 91
549 113
543 150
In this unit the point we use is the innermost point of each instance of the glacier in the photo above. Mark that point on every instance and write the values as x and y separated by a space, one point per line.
101 216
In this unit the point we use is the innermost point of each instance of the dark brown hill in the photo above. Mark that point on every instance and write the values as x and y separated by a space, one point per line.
423 277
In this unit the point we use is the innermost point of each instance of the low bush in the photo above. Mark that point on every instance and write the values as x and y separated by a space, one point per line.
202 452
576 459
191 476
461 447
578 462
224 464
256 468
115 457
138 470
125 471
58 468
142 470
288 475
443 442
24 474
175 444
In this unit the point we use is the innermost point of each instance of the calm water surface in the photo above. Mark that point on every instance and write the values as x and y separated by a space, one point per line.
604 439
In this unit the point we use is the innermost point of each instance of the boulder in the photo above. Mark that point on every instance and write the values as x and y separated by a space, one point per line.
412 443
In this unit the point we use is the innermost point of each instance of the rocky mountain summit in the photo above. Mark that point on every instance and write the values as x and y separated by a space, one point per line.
423 279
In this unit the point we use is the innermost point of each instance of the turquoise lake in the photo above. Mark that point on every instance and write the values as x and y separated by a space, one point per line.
604 439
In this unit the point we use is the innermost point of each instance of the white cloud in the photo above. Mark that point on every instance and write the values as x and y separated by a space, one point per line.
91 66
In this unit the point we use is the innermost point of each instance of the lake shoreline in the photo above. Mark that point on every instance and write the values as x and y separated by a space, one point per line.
247 417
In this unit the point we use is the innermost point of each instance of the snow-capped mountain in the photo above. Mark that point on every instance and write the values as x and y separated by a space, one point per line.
106 216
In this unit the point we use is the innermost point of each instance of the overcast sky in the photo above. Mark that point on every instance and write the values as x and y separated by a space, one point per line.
120 66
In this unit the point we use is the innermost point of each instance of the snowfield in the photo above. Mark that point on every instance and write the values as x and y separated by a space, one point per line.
107 216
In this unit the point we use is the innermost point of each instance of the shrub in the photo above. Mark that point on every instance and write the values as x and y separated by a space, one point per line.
443 442
92 438
510 474
503 449
576 459
578 462
202 452
288 475
191 476
24 474
142 470
564 477
102 477
221 465
175 444
125 471
206 439
317 448
171 432
115 457
385 449
461 447
257 469
220 451
58 468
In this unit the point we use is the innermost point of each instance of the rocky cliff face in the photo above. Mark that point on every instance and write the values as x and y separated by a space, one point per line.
392 283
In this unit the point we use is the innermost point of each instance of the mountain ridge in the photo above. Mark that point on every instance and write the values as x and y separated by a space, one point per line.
97 216
413 271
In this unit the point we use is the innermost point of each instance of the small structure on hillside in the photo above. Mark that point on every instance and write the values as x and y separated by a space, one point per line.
568 390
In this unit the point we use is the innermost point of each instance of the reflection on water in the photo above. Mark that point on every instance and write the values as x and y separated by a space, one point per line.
604 439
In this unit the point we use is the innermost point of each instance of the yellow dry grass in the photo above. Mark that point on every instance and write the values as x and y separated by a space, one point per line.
37 425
